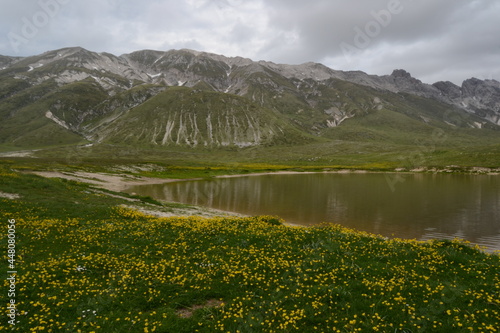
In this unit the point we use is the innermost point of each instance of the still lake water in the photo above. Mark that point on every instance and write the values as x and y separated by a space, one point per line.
421 206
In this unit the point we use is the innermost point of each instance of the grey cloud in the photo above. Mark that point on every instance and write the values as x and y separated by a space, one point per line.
445 40
444 31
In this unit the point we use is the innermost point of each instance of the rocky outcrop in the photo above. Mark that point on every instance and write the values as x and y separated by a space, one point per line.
482 98
449 89
5 62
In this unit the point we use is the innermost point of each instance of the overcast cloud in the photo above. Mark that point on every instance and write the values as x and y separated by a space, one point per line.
433 40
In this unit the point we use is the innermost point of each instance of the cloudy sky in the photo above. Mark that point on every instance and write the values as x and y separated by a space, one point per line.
432 39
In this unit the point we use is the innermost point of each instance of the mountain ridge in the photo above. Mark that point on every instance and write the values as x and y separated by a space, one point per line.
80 93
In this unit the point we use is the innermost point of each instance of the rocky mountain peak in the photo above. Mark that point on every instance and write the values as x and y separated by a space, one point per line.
449 89
473 85
401 73
482 97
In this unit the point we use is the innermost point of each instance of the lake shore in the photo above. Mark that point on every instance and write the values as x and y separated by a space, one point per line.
120 182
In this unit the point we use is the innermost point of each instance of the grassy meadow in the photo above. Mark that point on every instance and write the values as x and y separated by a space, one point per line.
87 264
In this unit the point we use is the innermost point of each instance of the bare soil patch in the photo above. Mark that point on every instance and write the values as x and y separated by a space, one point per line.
11 196
188 312
116 183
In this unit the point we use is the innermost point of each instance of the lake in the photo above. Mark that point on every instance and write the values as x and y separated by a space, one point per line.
421 206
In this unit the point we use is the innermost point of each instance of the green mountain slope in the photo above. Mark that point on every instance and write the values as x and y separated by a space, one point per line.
183 116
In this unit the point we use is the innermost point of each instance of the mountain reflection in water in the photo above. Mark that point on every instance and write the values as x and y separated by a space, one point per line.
421 206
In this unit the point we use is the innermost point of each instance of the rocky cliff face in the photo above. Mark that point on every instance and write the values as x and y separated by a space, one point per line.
482 98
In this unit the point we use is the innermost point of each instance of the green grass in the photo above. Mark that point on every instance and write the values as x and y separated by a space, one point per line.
86 265
181 163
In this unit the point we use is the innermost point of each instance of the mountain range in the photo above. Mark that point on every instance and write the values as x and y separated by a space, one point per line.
193 99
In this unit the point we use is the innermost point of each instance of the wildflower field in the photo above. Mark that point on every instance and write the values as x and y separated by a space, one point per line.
87 264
